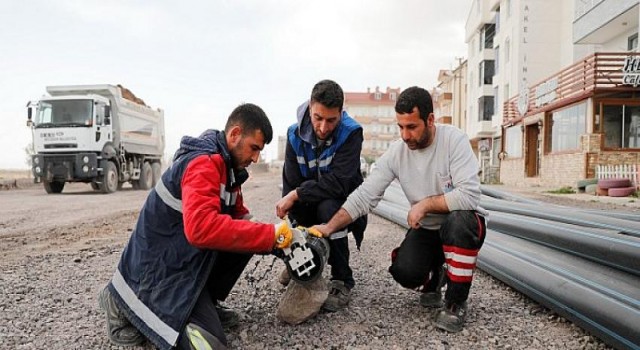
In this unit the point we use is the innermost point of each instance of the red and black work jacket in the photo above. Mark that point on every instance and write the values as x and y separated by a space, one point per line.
193 213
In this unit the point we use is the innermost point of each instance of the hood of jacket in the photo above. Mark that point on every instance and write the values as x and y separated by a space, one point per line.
211 142
305 128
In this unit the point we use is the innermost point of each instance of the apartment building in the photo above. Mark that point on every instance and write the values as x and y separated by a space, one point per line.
511 43
375 111
449 96
558 129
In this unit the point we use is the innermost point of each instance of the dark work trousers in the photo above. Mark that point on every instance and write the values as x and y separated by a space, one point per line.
226 270
319 213
415 264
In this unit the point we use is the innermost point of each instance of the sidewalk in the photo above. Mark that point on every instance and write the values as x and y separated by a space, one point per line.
630 202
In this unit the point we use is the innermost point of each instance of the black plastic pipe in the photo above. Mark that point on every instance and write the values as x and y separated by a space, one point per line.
602 300
602 246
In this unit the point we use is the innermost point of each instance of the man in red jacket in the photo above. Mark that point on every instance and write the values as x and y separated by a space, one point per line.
192 241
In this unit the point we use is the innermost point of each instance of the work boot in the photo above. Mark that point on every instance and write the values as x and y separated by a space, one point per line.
452 316
339 296
284 277
119 330
431 299
434 298
228 318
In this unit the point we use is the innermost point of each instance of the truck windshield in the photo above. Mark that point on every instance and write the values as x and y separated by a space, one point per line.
58 113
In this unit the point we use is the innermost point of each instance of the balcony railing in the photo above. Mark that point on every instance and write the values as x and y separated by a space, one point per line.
600 71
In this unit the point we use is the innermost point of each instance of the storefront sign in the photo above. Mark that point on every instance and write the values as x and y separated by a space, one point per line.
631 71
546 92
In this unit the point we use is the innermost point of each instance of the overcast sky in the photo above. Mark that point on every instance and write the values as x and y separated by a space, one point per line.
198 60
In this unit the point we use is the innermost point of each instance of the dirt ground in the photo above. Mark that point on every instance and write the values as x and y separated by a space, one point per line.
58 251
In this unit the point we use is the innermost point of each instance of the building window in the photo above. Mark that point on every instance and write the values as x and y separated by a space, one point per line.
632 42
621 126
392 96
486 72
513 142
565 128
377 95
487 34
485 108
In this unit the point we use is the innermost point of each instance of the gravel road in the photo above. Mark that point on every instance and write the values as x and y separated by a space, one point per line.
58 251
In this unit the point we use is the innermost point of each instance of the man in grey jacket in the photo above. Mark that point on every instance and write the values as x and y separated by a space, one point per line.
437 171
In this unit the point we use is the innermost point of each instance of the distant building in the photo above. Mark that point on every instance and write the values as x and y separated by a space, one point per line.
449 97
375 111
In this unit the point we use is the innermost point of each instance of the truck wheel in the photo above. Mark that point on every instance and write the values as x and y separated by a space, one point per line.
146 177
109 178
156 169
53 186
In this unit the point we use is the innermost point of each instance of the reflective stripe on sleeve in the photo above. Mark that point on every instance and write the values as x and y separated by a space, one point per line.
167 197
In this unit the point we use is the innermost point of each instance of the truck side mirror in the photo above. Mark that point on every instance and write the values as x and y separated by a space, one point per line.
107 115
29 122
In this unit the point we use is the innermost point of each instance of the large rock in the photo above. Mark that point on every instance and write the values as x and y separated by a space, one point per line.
301 302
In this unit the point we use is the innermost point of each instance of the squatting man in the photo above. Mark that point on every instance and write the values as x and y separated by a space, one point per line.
437 171
193 239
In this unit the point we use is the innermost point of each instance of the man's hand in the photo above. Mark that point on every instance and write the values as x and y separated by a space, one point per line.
415 214
285 203
434 204
284 236
320 231
312 231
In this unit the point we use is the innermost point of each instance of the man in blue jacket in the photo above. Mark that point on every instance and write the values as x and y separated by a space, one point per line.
321 169
192 241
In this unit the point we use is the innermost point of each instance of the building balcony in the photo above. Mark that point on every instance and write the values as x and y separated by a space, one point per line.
601 72
445 119
598 21
481 130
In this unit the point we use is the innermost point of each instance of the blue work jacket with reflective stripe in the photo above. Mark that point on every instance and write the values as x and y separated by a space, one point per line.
313 161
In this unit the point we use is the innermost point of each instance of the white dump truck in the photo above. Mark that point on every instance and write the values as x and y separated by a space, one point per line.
97 134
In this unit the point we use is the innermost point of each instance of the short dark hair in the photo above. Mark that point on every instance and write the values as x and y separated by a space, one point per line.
250 118
328 93
415 97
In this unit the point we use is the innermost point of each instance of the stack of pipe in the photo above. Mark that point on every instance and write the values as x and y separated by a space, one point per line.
583 264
